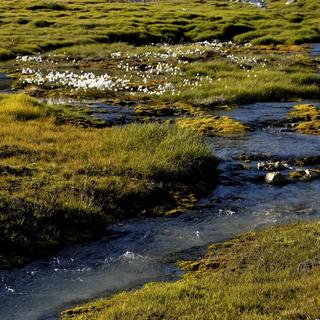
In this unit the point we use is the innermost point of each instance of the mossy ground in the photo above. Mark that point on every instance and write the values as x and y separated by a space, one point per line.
213 125
37 25
198 75
62 183
271 274
307 118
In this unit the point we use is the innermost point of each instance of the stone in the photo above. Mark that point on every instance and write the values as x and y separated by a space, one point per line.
311 174
275 178
273 165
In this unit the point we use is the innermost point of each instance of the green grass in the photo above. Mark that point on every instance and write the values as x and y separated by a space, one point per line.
241 87
236 76
61 183
42 26
271 274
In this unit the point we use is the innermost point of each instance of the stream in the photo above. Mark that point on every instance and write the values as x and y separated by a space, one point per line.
144 250
138 251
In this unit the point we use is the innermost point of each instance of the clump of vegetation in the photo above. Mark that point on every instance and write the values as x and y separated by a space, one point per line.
307 118
213 125
61 183
271 274
21 107
304 175
47 6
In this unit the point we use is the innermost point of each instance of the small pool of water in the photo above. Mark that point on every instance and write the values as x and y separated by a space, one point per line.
5 83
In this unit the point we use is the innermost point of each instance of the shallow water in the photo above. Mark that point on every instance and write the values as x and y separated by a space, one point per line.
5 83
110 113
315 51
258 3
143 250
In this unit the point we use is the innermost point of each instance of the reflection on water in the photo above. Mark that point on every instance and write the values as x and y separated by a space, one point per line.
258 3
5 83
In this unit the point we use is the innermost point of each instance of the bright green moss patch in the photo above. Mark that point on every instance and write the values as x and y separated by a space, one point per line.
213 125
307 117
273 274
61 183
21 107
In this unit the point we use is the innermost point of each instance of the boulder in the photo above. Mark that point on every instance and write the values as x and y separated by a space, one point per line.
311 174
275 178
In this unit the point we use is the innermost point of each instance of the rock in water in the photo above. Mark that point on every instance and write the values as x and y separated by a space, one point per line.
311 174
276 178
271 165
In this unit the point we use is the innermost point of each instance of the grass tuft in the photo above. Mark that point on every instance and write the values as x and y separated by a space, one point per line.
21 107
61 183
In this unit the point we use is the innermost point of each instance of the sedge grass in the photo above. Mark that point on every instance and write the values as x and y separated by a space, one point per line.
61 183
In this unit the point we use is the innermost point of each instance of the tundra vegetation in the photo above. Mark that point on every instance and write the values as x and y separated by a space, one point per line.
62 183
203 74
40 25
64 176
307 118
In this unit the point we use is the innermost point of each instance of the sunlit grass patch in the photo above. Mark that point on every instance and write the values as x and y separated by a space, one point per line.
61 183
21 107
243 86
68 23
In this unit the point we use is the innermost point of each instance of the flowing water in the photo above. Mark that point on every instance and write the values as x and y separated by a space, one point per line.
142 250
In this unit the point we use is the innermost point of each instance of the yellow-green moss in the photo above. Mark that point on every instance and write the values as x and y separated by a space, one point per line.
307 117
213 125
167 109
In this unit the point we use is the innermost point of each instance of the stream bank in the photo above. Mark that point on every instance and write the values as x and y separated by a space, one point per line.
145 250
